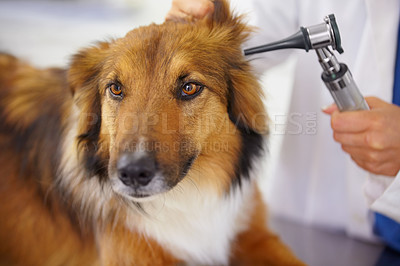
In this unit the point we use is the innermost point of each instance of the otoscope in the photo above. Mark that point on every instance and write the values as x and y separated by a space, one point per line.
337 77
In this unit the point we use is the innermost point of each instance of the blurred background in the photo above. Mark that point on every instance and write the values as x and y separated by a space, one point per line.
46 33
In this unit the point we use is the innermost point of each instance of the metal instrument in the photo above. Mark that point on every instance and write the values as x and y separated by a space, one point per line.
324 38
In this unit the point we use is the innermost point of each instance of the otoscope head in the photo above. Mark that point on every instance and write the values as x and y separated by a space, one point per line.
325 34
336 34
313 37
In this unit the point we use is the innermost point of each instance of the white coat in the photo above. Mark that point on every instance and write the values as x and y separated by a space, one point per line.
315 182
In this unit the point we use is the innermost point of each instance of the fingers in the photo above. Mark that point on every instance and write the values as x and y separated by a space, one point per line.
371 138
354 121
374 102
198 9
368 139
330 109
369 155
175 15
388 168
350 122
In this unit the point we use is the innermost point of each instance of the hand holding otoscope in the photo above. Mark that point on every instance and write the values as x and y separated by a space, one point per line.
337 77
325 38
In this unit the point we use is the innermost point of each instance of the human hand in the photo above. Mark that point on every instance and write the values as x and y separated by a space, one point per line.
372 138
198 9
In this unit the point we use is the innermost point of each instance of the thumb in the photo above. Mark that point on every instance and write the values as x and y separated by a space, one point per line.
374 102
330 109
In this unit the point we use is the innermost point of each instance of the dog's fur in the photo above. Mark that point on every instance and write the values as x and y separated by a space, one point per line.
63 134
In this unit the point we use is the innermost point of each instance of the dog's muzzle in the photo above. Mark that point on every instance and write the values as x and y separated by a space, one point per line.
139 176
136 171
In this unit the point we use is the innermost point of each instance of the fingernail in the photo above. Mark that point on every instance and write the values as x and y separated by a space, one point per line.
326 107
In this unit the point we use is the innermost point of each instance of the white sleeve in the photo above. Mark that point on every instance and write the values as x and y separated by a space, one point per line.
383 194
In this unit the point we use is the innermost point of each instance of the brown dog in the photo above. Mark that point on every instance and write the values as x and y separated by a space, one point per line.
139 154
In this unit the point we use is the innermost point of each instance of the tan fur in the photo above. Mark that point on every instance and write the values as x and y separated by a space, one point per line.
251 247
137 246
35 229
62 134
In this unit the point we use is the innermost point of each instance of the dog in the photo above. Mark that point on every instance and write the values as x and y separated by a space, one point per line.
140 153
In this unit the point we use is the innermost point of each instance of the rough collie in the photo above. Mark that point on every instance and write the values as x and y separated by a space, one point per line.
140 153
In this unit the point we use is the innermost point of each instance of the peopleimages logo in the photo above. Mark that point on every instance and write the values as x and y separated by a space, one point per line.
294 123
145 123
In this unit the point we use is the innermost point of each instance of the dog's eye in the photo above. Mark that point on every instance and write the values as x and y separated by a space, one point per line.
190 89
115 89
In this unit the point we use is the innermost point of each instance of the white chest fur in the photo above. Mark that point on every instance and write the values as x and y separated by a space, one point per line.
195 226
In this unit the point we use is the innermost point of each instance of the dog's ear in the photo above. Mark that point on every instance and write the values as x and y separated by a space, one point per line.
83 77
86 66
225 18
246 107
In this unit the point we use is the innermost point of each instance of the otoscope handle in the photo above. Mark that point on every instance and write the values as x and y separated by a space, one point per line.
344 90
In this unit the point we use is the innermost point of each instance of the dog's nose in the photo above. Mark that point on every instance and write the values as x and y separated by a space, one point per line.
136 171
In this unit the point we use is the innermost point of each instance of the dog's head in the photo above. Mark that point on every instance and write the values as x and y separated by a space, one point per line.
168 103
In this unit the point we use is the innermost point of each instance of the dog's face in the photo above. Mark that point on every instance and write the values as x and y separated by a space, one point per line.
164 103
